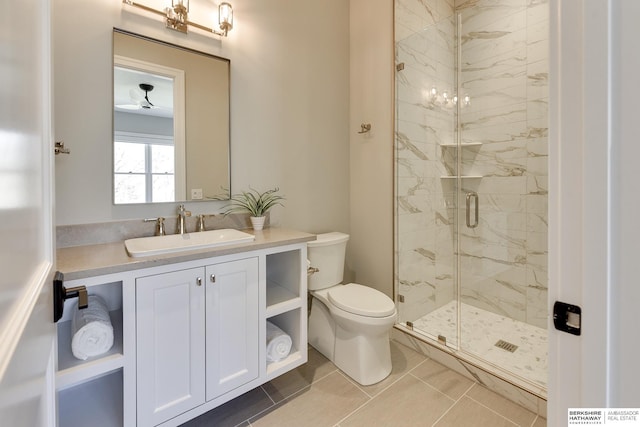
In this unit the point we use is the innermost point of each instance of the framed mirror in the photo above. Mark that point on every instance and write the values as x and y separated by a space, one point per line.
170 122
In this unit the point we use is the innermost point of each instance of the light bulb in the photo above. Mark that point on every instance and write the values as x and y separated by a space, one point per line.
225 16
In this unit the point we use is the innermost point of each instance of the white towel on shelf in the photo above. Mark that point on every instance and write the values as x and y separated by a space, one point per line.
278 343
92 330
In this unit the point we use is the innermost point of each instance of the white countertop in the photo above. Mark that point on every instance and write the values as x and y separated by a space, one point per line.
80 262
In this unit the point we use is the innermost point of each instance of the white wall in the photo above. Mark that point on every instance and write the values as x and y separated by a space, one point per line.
370 253
289 106
624 206
593 235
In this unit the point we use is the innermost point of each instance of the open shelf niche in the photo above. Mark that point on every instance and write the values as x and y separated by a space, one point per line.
290 324
283 282
286 303
95 403
72 370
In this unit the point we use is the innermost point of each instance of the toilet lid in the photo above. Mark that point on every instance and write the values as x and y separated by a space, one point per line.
361 300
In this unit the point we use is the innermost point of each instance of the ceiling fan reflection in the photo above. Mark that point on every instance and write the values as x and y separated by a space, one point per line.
146 87
140 100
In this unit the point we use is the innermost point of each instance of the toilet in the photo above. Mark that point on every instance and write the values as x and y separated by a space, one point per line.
349 323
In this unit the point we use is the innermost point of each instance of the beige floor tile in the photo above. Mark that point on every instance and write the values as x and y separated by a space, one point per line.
235 411
468 413
501 405
540 422
442 378
323 404
408 402
403 359
293 381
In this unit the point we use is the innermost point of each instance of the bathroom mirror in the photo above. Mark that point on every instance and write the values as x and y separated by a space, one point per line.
170 122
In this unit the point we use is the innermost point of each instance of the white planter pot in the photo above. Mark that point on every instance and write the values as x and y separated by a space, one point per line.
257 222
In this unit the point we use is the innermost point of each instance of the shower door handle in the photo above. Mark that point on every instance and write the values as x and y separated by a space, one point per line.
472 195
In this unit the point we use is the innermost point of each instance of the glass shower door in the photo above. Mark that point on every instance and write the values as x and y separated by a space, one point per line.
427 183
502 161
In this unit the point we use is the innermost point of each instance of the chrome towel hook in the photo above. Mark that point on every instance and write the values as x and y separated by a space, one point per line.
365 127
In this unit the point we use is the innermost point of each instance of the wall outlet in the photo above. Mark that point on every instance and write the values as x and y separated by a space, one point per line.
196 194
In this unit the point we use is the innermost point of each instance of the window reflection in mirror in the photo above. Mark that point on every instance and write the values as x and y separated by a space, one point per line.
143 126
170 122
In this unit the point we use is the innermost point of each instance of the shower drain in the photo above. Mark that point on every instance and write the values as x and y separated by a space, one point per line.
506 346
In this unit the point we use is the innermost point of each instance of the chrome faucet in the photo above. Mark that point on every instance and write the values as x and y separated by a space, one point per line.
182 214
159 225
200 223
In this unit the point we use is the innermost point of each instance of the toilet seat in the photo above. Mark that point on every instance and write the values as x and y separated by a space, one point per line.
361 300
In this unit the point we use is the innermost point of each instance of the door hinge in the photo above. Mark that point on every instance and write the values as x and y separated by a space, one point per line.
409 325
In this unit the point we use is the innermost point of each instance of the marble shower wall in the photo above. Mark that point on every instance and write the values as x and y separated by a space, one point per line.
503 70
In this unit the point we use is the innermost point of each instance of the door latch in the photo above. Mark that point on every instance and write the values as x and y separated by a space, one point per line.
567 317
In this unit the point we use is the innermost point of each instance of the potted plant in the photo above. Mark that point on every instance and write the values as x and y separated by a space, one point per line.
256 203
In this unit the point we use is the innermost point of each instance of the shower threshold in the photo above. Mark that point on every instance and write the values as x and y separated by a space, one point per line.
481 330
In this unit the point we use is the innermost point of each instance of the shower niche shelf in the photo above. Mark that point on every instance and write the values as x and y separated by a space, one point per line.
463 145
448 177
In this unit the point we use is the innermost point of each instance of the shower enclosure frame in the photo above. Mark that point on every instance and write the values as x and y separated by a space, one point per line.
453 346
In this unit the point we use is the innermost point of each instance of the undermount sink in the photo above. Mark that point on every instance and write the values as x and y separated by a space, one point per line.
158 245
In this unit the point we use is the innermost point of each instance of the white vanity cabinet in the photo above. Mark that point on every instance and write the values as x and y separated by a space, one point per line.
232 324
170 344
190 333
197 335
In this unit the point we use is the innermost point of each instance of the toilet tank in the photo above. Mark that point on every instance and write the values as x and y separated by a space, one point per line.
327 254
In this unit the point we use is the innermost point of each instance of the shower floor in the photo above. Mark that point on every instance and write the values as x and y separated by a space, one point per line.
481 330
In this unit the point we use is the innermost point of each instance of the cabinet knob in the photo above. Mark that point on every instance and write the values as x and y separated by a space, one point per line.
199 281
213 278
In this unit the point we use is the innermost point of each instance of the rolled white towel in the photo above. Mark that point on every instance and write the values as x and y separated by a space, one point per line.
92 330
278 343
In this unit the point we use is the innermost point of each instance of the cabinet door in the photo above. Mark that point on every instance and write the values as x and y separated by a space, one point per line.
170 344
232 325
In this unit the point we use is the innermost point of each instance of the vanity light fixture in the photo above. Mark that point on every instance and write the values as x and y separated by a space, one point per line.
177 16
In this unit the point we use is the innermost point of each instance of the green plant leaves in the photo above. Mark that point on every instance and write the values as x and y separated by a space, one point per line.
254 202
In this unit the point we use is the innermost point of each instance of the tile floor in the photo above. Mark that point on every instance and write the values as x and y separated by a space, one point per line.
481 329
419 392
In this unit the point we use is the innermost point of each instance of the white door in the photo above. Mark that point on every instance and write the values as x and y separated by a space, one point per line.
170 344
594 203
232 325
27 392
